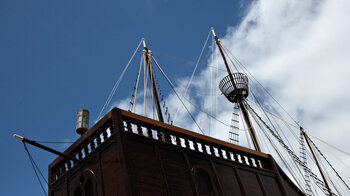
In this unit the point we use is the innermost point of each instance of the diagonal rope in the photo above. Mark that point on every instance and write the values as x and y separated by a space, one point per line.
334 147
174 89
319 182
35 168
318 150
194 71
117 83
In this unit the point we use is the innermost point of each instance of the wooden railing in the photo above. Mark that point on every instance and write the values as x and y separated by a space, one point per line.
81 148
140 125
136 124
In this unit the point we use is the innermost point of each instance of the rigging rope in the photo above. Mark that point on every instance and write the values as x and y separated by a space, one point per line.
117 83
134 95
187 61
340 150
173 87
246 70
278 153
35 168
194 71
318 150
319 182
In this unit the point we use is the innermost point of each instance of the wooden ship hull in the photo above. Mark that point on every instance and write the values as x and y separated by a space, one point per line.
128 154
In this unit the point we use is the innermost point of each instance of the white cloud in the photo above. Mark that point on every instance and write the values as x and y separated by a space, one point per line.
300 51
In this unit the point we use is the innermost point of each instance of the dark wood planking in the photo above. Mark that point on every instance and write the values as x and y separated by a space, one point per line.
228 179
111 171
146 166
250 183
270 184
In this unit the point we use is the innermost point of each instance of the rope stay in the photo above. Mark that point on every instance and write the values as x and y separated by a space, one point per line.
330 145
36 169
318 182
318 150
117 83
134 95
194 71
165 107
176 93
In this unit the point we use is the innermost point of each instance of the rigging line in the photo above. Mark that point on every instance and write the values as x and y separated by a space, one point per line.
227 54
278 152
295 167
260 85
177 82
277 113
137 84
266 115
274 109
273 114
187 61
205 112
36 173
54 142
194 71
253 93
32 159
262 109
340 150
319 182
336 157
173 87
318 150
283 159
245 129
117 83
326 173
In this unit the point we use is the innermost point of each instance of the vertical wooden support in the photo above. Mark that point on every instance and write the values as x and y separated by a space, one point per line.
239 181
102 188
156 149
191 174
278 175
66 185
260 183
128 172
217 182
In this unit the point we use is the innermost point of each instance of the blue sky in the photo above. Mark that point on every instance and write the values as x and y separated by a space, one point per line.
57 55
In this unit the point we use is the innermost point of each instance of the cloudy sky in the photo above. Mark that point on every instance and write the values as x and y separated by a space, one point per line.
57 56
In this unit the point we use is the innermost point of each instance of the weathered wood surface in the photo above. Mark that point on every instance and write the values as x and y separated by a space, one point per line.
127 154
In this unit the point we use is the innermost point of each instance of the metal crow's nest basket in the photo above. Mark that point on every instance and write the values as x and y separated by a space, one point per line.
231 93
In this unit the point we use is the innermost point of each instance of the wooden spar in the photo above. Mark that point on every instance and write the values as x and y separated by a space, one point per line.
154 90
314 156
240 103
23 139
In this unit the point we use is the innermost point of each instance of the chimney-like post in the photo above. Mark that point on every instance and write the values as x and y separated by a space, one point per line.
82 121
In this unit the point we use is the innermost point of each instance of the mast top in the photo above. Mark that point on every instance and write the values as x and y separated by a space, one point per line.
212 30
143 43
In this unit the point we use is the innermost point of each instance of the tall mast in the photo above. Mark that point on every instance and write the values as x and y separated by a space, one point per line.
239 101
147 56
314 156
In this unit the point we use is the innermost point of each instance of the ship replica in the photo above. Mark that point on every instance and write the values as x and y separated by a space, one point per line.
125 153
